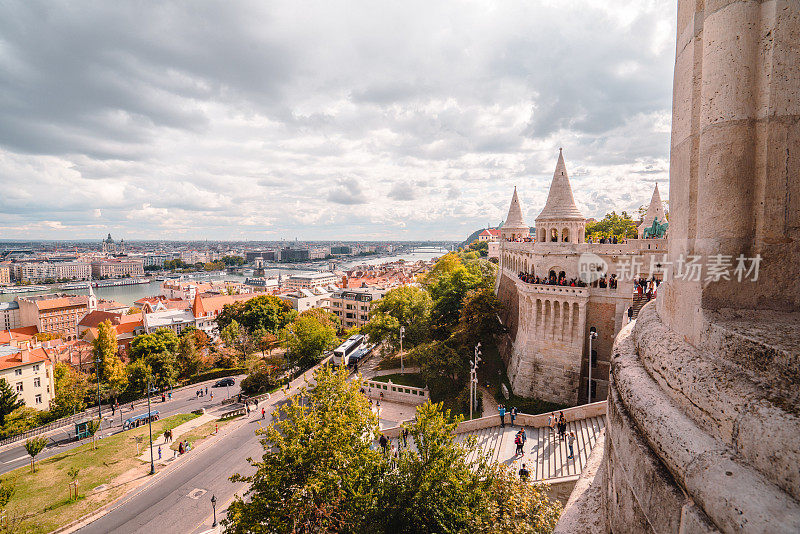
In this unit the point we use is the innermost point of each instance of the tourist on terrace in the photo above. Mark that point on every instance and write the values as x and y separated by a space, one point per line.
502 411
513 415
523 473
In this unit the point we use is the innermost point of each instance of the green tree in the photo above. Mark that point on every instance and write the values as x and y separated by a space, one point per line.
264 341
408 307
237 339
105 347
139 373
616 225
233 260
435 488
159 352
448 284
318 472
71 390
265 311
162 340
34 446
479 319
20 420
516 507
481 247
309 336
92 427
9 400
189 362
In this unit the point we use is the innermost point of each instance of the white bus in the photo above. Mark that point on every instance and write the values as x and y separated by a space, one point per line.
342 353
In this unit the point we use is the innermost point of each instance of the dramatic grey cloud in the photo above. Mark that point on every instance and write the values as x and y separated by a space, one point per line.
348 120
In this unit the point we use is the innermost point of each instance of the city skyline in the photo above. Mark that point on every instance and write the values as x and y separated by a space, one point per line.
374 123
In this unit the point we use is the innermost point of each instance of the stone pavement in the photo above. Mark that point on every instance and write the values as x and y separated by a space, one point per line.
167 454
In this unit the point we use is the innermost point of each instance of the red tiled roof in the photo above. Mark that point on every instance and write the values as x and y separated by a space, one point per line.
15 360
93 319
24 333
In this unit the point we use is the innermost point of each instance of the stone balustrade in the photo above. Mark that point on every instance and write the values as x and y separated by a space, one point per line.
584 411
395 392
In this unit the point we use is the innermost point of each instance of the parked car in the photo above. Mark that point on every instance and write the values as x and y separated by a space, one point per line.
224 382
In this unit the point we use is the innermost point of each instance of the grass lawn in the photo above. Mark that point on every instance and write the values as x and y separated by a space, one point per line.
42 497
392 361
492 370
409 379
201 432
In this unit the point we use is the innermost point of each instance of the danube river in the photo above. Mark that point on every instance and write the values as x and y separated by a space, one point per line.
128 294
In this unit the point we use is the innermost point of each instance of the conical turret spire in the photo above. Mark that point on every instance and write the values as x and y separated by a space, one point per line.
560 203
514 219
656 209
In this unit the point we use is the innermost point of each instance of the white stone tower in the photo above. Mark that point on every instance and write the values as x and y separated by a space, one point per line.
514 227
560 220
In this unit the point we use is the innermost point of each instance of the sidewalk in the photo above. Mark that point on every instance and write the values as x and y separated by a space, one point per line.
167 455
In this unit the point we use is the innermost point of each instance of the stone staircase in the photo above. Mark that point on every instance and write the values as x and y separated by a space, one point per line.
638 303
545 453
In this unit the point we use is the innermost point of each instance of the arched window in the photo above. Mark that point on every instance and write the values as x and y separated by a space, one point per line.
565 235
554 235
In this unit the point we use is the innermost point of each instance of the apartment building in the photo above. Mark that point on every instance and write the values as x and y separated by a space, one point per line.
312 280
29 372
54 313
352 306
9 315
39 271
118 268
5 273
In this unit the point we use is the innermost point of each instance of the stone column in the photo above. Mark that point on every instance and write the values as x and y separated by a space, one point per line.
735 156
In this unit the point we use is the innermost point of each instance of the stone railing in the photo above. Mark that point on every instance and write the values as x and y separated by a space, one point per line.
395 392
552 289
575 413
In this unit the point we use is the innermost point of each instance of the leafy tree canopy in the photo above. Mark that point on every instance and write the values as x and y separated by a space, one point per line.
9 400
162 340
322 472
616 225
105 347
407 306
71 389
265 311
309 336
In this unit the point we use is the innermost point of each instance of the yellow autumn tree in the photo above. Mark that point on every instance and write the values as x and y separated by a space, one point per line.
104 348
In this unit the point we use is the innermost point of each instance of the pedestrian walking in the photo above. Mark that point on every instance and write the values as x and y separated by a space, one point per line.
159 452
513 415
212 396
405 438
630 313
383 443
523 473
518 443
206 390
263 413
113 410
570 441
169 395
524 437
502 411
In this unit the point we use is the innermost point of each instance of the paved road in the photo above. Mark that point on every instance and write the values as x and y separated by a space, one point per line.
183 401
179 501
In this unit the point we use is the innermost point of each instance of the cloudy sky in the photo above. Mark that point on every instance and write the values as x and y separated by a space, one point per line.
324 120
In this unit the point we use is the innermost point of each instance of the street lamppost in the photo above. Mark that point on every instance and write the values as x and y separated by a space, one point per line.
473 379
150 425
97 373
592 336
402 366
214 506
